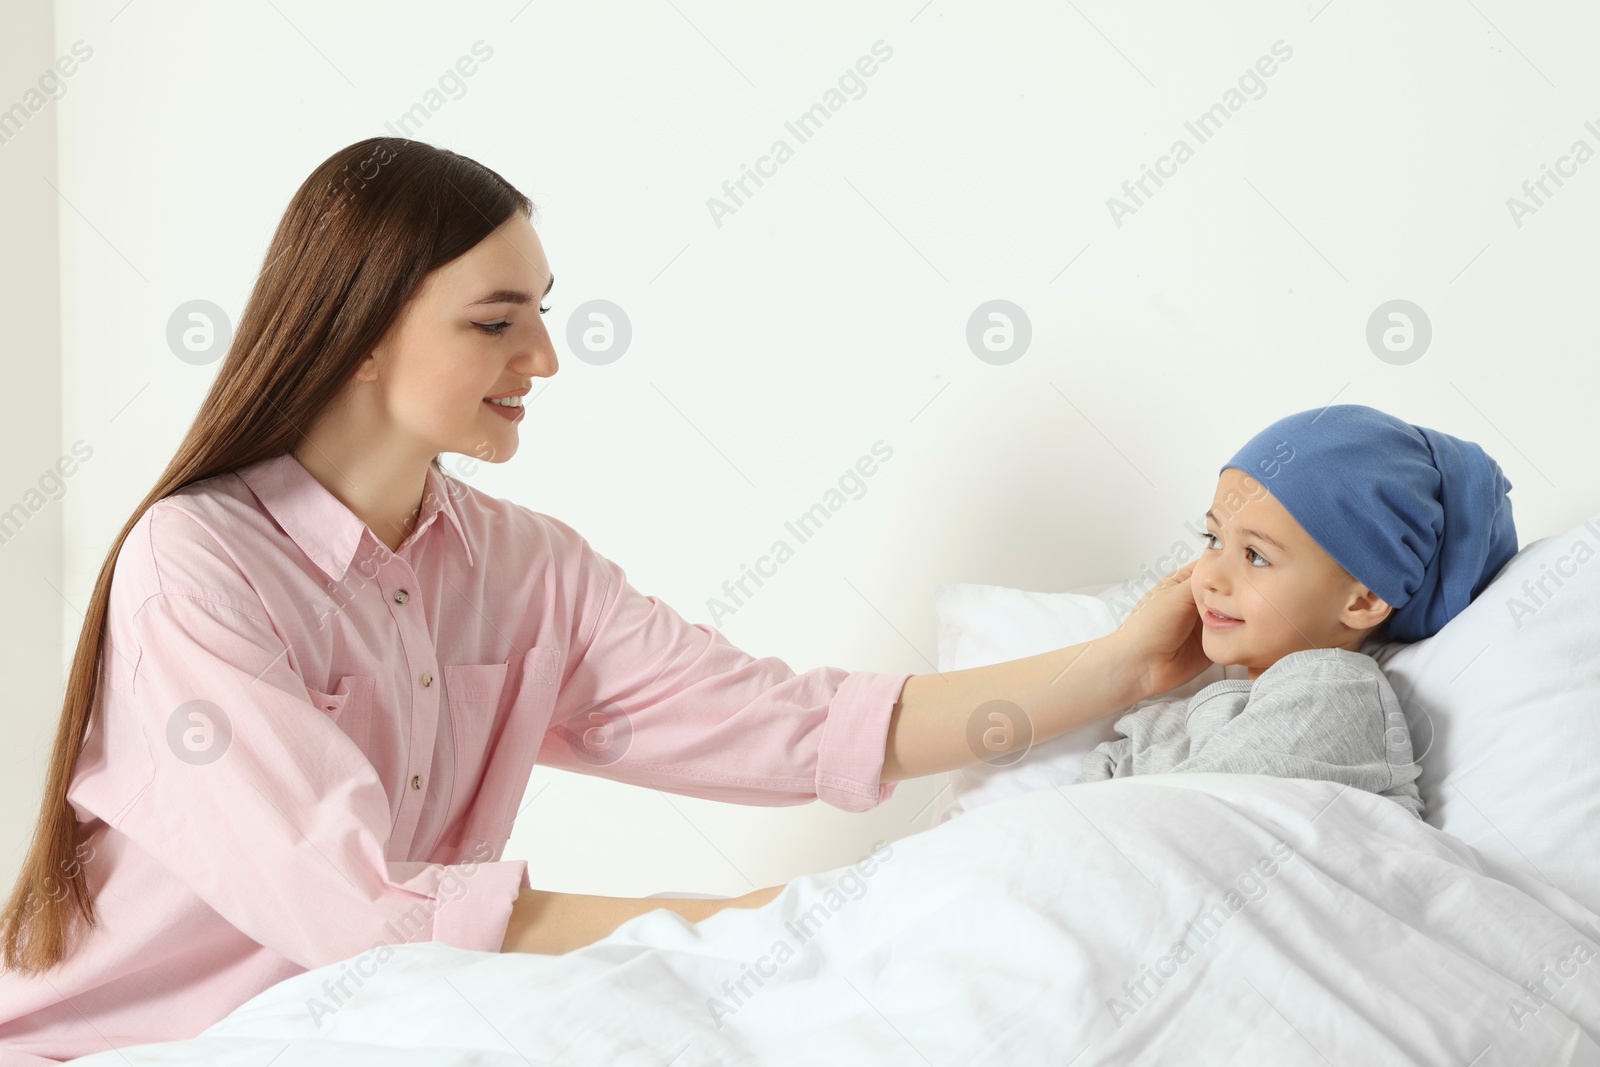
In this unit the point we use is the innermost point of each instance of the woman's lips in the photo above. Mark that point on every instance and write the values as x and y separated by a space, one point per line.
512 414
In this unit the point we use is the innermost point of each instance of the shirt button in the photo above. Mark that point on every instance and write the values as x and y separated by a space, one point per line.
427 680
401 596
416 781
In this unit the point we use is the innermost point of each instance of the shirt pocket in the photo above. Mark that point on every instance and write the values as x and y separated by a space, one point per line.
511 748
472 694
350 706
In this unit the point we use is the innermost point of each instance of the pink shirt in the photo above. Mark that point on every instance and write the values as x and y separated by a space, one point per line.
308 746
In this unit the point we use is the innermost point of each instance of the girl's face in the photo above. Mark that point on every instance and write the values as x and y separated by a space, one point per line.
474 329
1258 565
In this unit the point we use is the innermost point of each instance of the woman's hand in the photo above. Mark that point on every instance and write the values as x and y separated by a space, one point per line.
1162 635
556 923
697 909
757 898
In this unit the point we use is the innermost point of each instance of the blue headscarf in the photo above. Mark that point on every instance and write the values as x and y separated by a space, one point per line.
1419 517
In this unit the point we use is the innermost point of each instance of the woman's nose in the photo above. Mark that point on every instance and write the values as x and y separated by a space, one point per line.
540 360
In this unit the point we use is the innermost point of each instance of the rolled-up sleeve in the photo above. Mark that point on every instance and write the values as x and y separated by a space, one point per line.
255 799
651 699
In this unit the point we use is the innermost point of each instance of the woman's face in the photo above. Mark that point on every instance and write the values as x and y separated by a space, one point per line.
474 329
1259 565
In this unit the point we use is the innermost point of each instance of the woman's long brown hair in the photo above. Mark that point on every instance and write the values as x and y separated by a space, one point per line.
360 235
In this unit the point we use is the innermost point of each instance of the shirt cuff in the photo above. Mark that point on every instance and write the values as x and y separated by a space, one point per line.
850 756
475 903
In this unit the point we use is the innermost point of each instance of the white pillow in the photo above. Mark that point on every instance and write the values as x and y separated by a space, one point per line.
984 624
1504 710
1503 703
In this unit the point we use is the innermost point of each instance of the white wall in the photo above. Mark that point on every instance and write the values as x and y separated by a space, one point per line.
37 604
830 309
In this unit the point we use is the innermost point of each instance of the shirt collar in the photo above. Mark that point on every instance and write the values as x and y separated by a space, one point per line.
325 529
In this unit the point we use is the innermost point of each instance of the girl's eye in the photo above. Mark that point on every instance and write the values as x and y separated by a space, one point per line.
1207 535
544 311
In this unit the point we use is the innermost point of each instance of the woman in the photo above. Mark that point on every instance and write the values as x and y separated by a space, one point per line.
328 667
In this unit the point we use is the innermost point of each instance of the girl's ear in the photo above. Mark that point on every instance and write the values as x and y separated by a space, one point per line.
1372 610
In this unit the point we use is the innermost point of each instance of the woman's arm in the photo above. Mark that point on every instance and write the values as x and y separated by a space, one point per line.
555 923
939 722
931 725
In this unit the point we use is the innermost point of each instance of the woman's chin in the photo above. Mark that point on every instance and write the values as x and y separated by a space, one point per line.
483 450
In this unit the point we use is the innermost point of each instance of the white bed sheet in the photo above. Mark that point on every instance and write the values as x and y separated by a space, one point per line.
1006 936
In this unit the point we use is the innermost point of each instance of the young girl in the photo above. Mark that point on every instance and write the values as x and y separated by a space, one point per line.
1331 531
316 670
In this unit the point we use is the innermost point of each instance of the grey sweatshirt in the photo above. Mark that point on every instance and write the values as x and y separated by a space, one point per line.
1321 713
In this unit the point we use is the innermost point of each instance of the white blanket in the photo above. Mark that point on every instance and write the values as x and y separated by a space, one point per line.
1180 918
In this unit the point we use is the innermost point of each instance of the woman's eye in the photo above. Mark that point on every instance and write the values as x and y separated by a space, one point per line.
497 328
1208 536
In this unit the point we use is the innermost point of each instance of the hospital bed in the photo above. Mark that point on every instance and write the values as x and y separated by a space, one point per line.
1181 918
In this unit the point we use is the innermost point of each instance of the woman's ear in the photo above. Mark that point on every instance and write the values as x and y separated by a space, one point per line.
367 369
